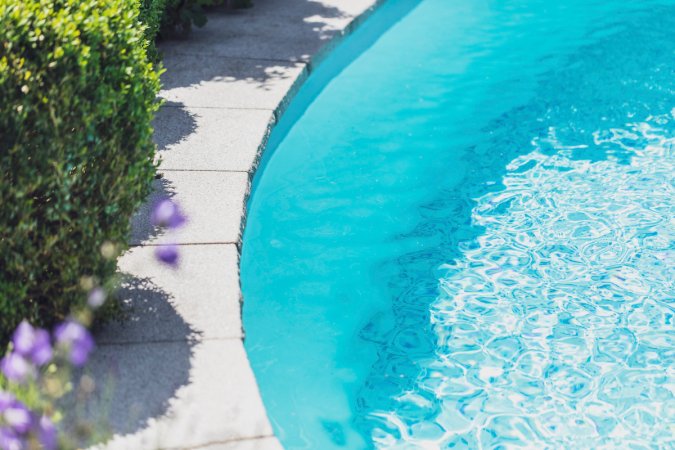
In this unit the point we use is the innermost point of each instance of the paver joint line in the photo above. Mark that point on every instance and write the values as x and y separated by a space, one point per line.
205 170
228 441
150 244
166 341
245 58
235 108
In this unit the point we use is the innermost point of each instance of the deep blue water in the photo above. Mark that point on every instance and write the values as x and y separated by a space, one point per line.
462 235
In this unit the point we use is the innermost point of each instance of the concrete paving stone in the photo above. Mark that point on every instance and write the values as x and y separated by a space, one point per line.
348 9
209 139
215 398
251 35
198 300
133 385
212 201
327 17
298 30
220 82
268 443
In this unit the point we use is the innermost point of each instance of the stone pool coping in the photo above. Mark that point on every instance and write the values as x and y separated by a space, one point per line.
176 374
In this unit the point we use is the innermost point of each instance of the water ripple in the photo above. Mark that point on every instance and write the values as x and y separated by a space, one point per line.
554 328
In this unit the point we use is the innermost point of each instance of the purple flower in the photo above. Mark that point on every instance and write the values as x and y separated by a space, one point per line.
16 368
168 254
9 440
167 214
46 432
19 423
96 298
6 400
23 338
18 418
76 340
14 416
32 343
42 350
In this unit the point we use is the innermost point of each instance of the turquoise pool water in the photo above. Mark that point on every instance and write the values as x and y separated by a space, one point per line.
463 233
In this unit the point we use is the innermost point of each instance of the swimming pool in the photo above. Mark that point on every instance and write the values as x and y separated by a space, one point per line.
462 232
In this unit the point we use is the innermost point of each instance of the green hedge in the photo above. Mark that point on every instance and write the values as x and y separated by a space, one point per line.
151 16
76 154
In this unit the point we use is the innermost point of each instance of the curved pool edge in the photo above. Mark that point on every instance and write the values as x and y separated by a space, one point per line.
249 254
265 149
291 106
318 71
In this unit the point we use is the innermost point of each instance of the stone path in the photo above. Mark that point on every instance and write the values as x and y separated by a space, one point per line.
176 374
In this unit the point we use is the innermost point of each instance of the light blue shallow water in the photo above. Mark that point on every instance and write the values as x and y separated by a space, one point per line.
463 234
